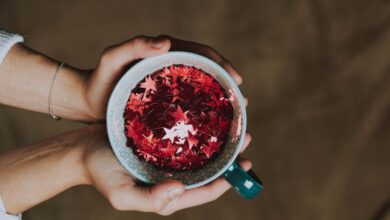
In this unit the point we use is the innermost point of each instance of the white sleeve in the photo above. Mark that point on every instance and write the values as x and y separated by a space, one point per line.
7 40
5 216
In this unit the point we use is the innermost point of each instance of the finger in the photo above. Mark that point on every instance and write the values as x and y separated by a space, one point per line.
117 57
146 199
247 141
203 194
209 52
246 102
162 194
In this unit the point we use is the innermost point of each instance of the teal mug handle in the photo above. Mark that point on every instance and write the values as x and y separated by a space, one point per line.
247 184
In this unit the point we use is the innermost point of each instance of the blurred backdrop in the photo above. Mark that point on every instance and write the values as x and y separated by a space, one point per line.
317 75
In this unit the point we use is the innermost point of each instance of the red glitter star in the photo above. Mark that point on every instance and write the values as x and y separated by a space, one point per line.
135 102
179 115
213 147
170 149
149 84
192 141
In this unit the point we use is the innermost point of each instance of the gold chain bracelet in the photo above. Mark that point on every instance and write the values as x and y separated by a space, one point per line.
51 112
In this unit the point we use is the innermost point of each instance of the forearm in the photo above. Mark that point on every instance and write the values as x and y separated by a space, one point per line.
25 81
33 174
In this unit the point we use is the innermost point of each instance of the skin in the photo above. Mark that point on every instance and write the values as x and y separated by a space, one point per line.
37 172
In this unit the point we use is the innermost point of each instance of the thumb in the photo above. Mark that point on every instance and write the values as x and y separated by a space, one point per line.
118 57
163 193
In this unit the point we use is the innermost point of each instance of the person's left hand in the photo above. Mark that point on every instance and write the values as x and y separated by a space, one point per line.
116 59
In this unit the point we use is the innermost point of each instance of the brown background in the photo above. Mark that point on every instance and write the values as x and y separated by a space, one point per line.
317 75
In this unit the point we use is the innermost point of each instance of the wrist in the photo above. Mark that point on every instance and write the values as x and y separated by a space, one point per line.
69 95
82 95
83 145
81 174
89 152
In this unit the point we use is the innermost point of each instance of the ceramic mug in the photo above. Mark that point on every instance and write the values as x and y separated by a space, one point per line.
245 183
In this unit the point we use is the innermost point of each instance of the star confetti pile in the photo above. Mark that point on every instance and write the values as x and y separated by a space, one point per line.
178 118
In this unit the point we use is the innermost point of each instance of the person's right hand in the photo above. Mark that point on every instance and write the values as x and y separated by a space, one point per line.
112 180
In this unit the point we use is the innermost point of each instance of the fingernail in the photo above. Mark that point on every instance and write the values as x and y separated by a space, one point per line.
174 193
248 138
158 42
246 101
239 79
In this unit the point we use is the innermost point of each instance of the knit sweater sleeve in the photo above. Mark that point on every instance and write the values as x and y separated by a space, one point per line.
7 40
5 216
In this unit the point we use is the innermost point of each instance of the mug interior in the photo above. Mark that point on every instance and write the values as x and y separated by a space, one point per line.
145 171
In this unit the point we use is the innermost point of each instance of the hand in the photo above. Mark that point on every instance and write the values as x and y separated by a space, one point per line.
82 95
116 59
123 193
